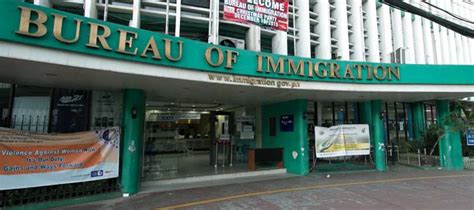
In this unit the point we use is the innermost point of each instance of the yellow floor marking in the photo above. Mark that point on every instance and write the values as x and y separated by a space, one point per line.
305 188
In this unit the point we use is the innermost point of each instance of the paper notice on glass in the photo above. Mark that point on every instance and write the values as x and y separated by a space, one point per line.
247 135
248 128
239 127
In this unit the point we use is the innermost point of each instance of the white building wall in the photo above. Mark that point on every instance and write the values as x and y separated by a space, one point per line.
465 40
428 41
90 8
418 38
457 36
357 36
341 32
323 29
372 32
303 45
280 43
408 38
422 40
386 44
437 44
397 28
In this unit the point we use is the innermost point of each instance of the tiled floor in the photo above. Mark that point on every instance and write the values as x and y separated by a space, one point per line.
399 188
173 166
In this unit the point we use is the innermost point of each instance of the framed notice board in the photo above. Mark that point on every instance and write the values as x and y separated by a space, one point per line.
286 123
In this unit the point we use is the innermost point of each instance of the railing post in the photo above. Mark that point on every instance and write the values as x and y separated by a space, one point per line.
419 157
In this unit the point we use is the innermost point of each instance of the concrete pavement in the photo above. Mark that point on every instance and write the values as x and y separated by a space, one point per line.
399 188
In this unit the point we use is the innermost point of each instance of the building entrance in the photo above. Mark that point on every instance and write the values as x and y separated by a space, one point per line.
191 139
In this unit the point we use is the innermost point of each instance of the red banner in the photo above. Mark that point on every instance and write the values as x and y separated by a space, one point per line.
265 13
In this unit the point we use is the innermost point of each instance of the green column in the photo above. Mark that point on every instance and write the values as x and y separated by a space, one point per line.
365 114
132 141
418 120
450 151
294 142
379 145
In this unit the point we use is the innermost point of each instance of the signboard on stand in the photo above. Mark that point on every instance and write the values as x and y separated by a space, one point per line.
342 140
470 137
33 160
271 14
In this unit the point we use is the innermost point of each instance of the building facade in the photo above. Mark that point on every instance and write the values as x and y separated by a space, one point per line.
180 80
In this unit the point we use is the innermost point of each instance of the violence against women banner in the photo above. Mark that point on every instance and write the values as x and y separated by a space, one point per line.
271 14
342 140
33 160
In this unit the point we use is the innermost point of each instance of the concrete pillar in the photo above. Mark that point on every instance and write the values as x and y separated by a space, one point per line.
294 142
418 41
177 27
445 45
44 3
468 58
467 55
428 41
323 28
453 57
357 37
438 51
341 32
408 38
378 130
252 38
135 21
365 117
398 28
133 121
258 126
280 43
386 45
450 150
303 44
457 36
372 31
471 40
418 120
444 37
90 8
214 22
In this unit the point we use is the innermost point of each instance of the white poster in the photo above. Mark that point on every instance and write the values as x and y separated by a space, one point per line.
342 140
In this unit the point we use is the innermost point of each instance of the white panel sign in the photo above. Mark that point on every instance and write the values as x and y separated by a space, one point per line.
342 140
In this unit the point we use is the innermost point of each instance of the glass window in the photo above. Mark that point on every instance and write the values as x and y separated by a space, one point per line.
5 100
391 122
327 114
340 113
70 112
31 109
352 113
401 121
106 110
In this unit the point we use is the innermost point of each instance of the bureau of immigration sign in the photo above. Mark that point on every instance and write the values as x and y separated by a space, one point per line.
265 13
342 140
33 160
